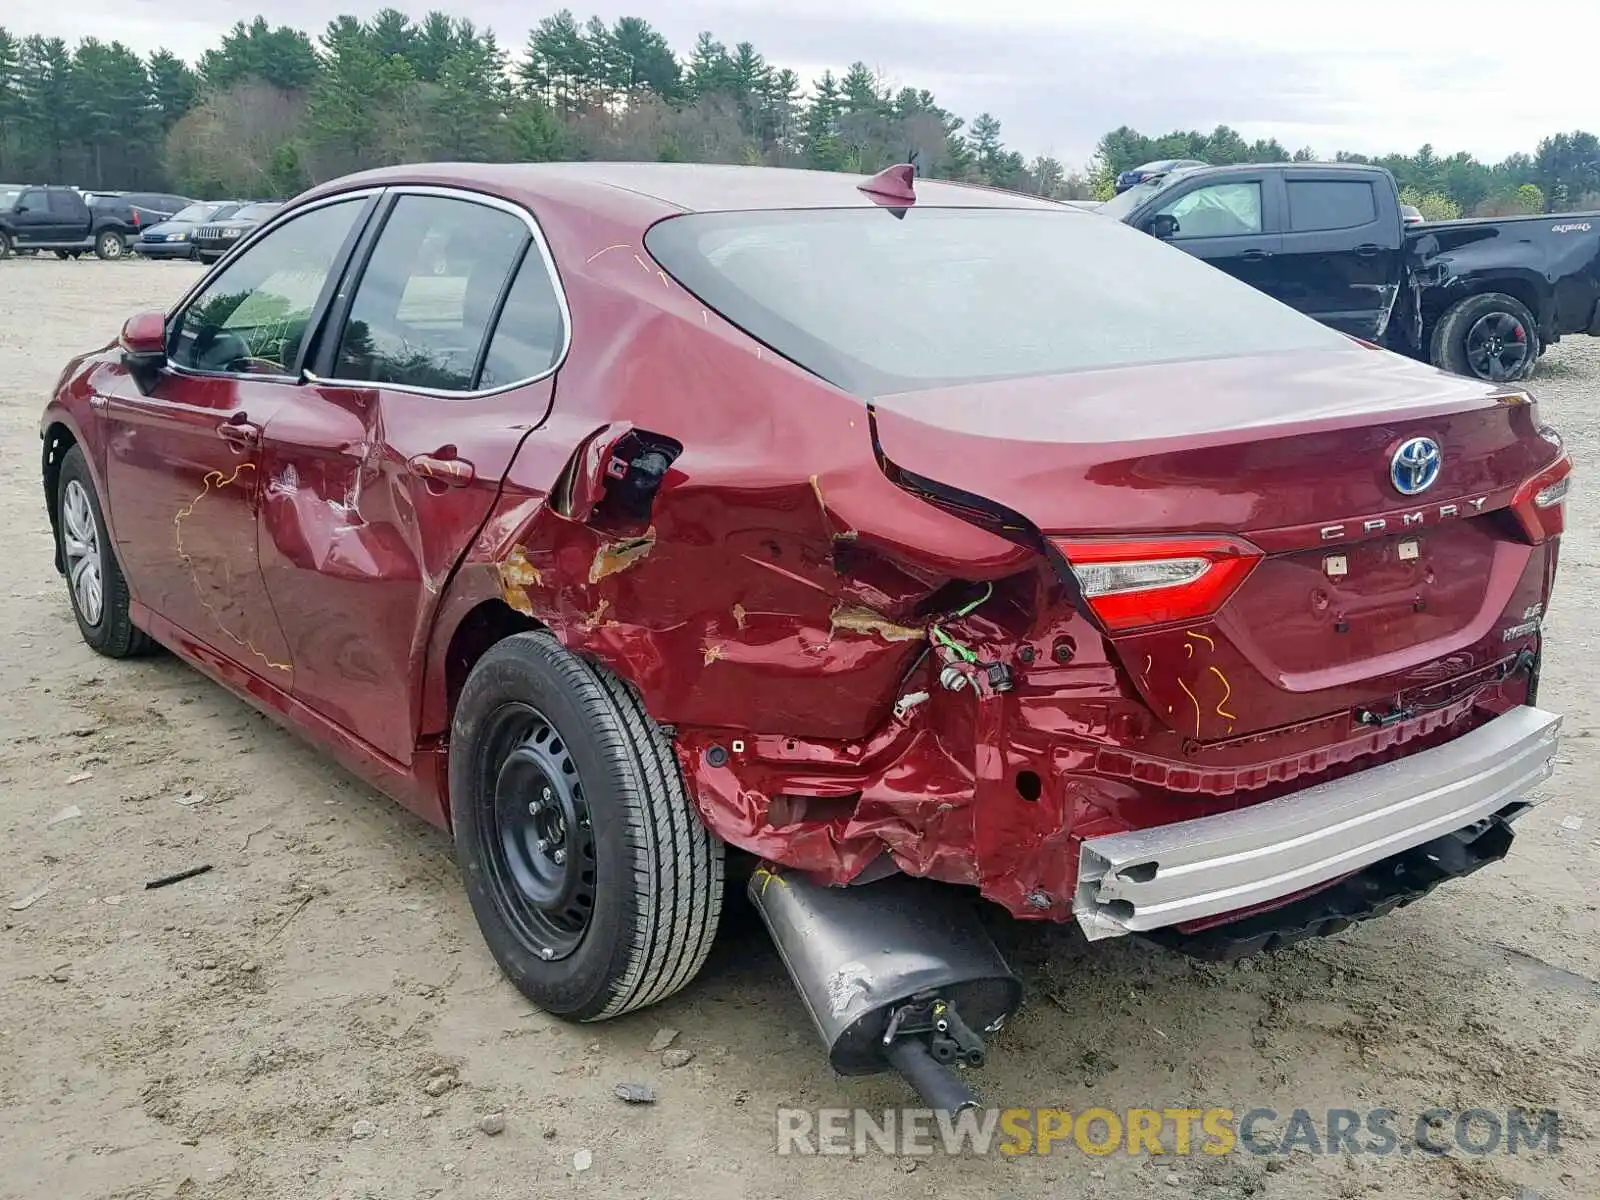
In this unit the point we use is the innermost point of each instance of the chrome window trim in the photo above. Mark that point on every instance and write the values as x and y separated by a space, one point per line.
469 196
281 217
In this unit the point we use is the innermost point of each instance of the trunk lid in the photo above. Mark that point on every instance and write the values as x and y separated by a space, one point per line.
1362 591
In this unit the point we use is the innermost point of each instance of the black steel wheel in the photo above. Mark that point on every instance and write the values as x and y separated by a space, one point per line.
1491 336
539 847
594 883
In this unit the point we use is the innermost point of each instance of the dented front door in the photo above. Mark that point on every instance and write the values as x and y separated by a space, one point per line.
183 474
374 491
366 509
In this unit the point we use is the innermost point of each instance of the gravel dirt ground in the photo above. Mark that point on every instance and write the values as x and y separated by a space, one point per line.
317 1017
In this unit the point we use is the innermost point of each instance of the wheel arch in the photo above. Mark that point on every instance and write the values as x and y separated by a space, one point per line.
59 438
1520 287
484 625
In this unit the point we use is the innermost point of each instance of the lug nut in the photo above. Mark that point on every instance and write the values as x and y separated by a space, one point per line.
541 845
560 857
533 808
545 795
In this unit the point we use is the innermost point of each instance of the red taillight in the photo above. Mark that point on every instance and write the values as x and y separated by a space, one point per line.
1540 503
136 218
1132 584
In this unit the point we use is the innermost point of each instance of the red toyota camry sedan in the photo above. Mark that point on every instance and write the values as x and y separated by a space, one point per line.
614 514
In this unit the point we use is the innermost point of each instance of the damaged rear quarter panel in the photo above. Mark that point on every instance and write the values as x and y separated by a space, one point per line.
727 606
775 600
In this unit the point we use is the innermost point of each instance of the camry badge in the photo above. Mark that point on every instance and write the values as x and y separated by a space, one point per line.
1415 466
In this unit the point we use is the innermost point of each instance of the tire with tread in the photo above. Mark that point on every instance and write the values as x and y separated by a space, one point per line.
1447 349
114 635
658 869
5 244
108 246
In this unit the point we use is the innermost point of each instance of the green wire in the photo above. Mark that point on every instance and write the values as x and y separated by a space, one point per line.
944 639
988 590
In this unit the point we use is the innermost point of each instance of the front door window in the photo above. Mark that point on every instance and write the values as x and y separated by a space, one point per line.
253 318
1218 210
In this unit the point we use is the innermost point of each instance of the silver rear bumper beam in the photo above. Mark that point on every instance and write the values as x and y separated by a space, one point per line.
1152 878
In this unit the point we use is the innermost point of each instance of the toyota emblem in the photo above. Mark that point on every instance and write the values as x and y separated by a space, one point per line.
1415 466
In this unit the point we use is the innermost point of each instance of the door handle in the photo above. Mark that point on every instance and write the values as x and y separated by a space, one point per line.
1255 255
239 432
1368 250
441 468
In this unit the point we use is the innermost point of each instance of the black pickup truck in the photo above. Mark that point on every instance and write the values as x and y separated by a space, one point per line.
1475 297
60 219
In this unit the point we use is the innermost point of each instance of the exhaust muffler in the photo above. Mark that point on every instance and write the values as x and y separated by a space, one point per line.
897 975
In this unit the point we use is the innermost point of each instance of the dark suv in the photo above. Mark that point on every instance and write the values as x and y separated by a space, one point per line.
215 238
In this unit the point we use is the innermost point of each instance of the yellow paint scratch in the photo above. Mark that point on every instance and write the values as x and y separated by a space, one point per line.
215 481
712 653
1189 646
739 615
770 877
1226 692
607 250
517 575
859 619
1196 701
1202 637
613 557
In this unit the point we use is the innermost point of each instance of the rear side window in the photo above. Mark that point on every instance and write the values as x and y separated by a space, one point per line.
65 204
422 310
528 338
1330 204
877 305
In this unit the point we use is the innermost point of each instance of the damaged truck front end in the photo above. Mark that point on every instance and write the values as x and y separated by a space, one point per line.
1157 640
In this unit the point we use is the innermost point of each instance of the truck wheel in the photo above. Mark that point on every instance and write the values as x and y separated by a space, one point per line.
5 245
108 246
1489 336
595 885
95 584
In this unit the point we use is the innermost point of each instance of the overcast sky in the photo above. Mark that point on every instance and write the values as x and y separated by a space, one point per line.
1365 75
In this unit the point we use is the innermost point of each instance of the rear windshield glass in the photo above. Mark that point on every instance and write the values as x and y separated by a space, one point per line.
876 304
257 212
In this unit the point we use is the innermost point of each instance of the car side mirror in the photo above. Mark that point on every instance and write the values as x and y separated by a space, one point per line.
144 343
1163 226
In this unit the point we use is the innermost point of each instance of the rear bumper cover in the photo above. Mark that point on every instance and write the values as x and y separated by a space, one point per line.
1150 879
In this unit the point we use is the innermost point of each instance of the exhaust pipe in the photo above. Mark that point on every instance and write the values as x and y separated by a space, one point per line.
897 975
